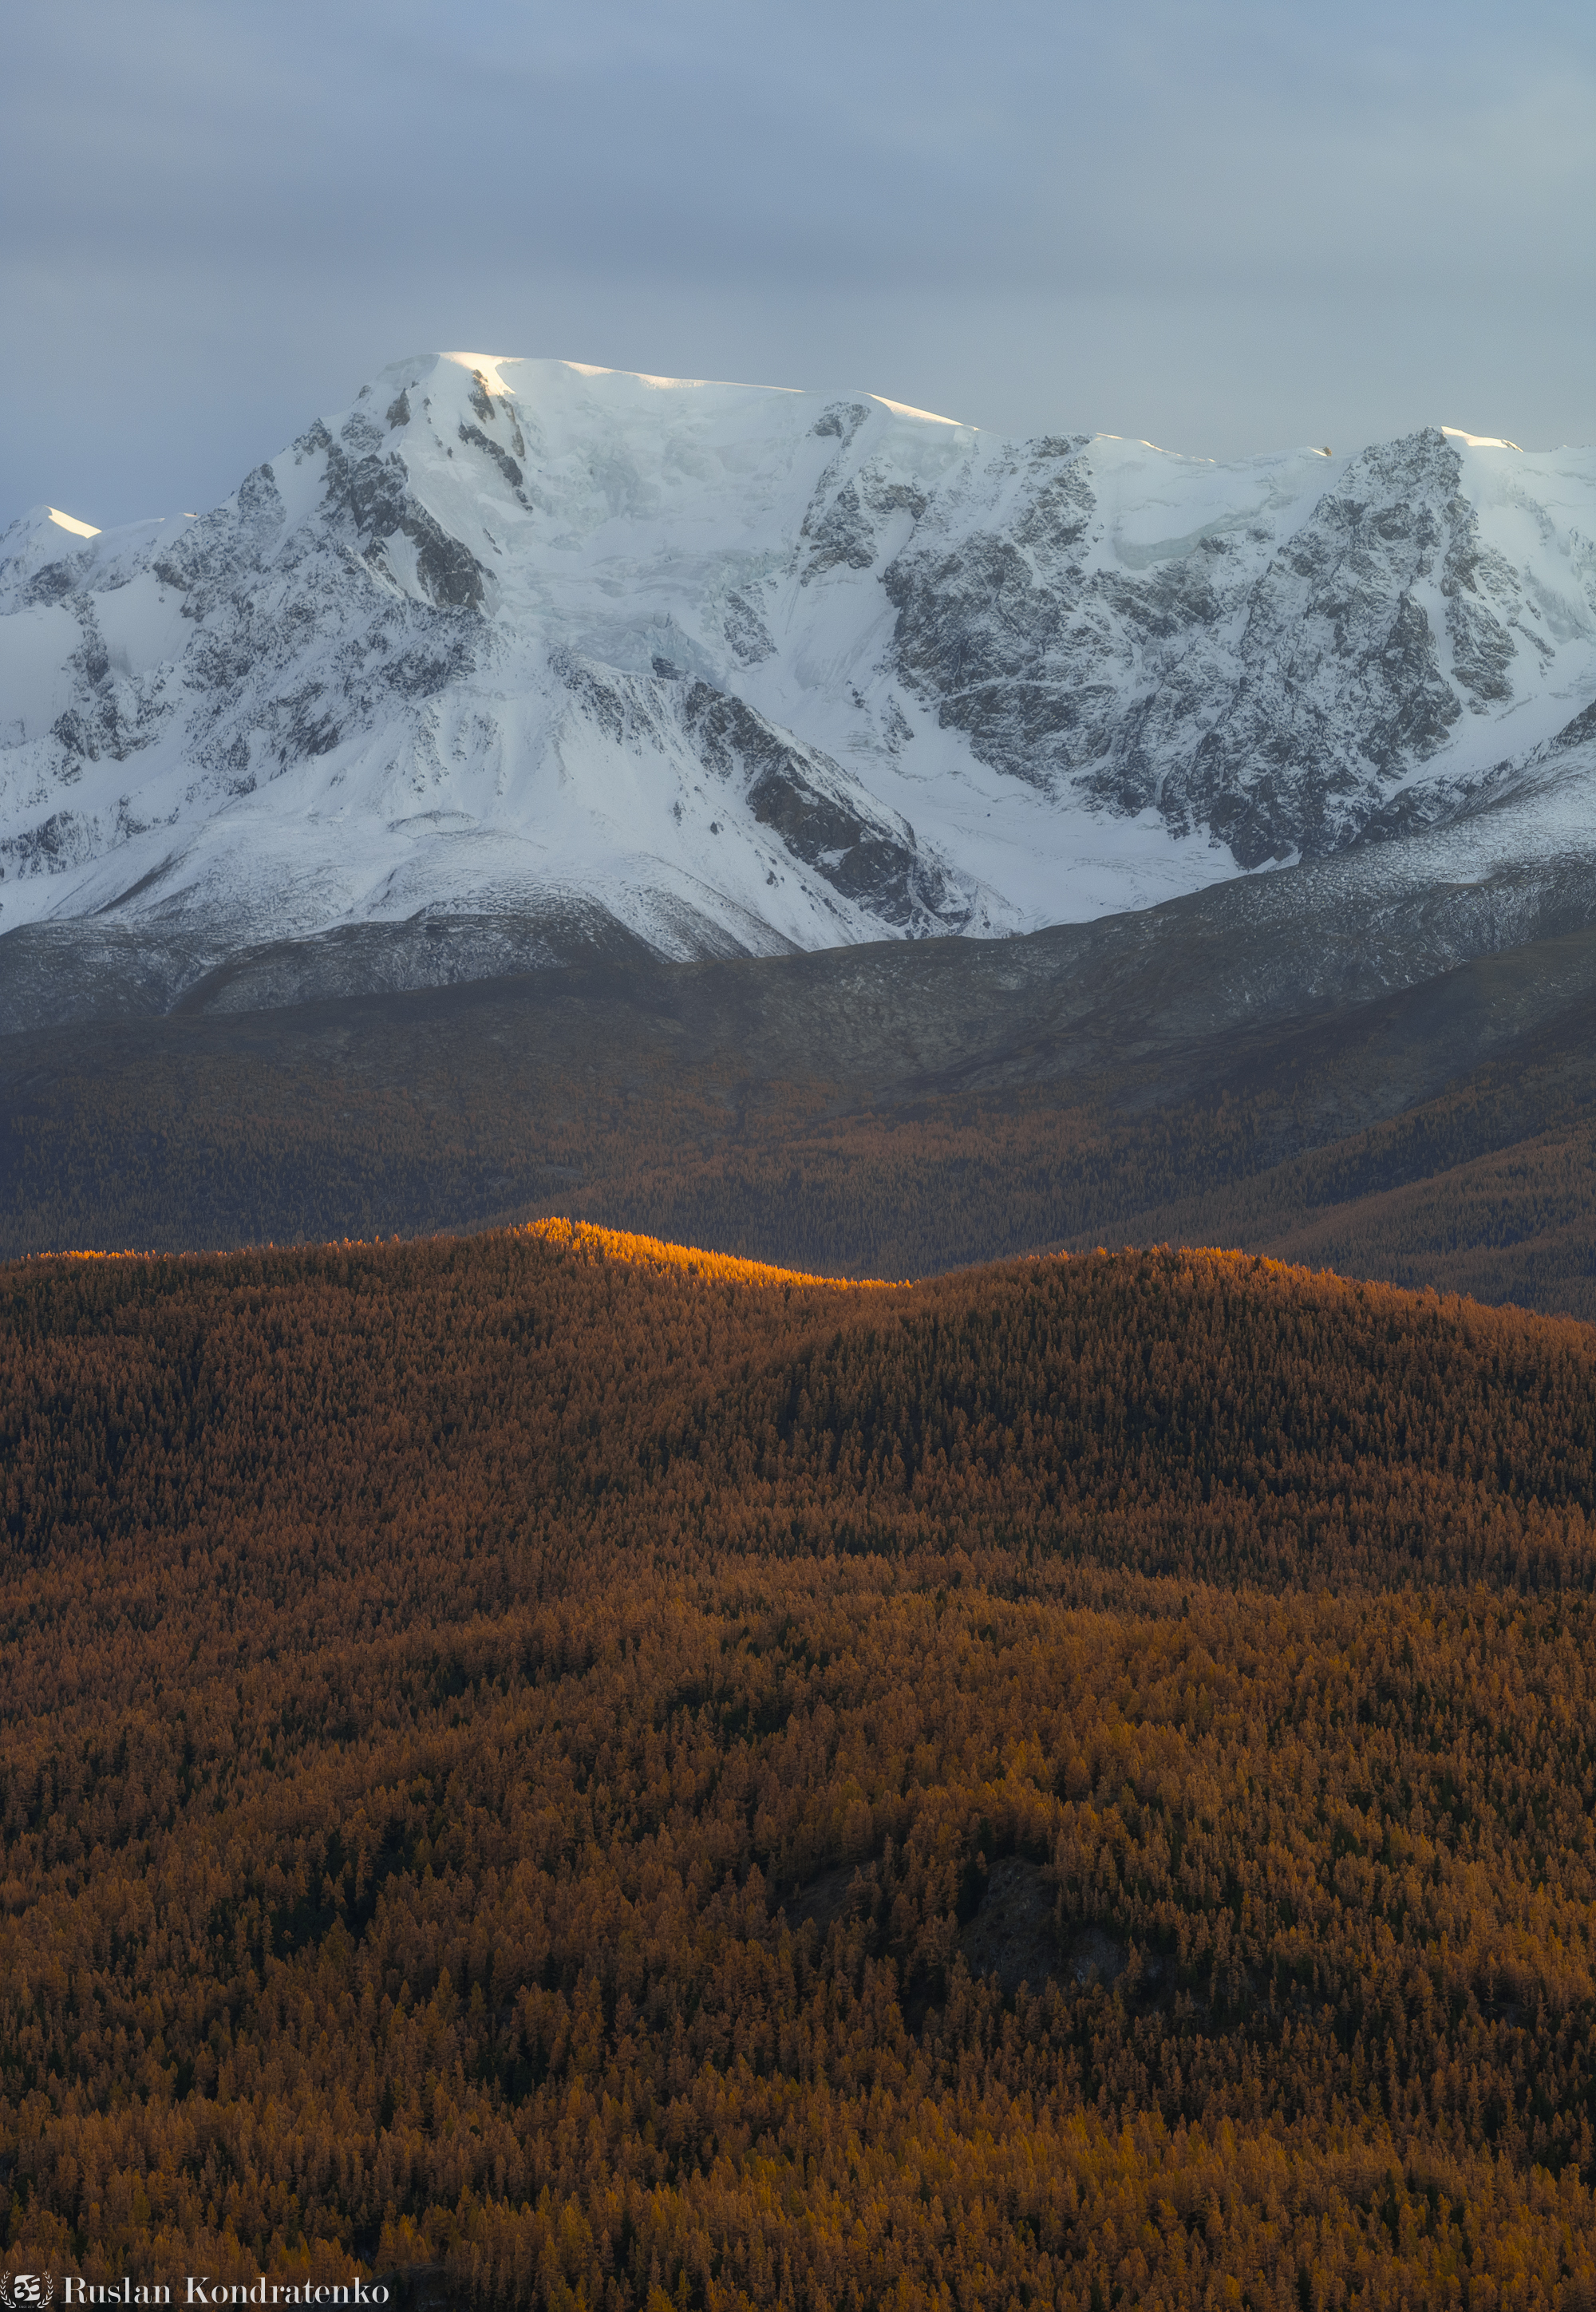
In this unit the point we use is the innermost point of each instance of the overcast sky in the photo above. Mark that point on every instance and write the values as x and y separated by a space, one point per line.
1228 228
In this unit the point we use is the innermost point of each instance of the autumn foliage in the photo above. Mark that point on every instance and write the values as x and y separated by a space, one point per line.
513 1749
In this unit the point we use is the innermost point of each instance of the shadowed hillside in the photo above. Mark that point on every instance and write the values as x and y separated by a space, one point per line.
895 1110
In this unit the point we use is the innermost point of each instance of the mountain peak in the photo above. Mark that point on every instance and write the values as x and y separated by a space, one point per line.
1480 441
744 668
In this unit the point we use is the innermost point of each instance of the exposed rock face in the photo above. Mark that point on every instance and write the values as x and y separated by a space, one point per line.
1271 690
867 854
731 670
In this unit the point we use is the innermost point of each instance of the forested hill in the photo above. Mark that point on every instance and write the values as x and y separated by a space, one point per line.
596 1774
555 1390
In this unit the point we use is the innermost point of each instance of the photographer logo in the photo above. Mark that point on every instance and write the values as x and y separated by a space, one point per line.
26 2291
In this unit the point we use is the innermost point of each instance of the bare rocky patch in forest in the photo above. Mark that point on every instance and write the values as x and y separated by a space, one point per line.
1012 1934
1094 1957
842 1892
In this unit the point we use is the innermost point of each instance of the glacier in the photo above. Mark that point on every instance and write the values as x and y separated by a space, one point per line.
718 670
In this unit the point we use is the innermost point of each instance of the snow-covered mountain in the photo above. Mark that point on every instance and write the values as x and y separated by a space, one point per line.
734 669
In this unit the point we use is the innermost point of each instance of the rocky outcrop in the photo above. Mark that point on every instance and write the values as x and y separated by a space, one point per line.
1271 692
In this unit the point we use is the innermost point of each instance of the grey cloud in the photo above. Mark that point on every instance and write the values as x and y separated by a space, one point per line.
1210 221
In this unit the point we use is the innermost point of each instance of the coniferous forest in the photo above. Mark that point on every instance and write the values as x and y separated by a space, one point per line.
564 1772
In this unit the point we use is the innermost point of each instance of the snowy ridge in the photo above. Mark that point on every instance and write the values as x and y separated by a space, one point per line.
746 669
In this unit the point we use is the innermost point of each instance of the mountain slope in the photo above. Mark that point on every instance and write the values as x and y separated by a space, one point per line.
598 659
1258 1066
